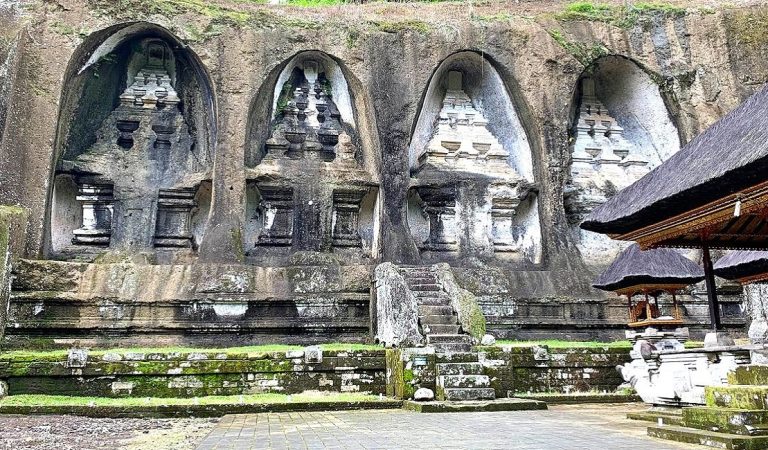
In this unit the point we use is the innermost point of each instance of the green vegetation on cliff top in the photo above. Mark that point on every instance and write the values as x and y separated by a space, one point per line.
623 16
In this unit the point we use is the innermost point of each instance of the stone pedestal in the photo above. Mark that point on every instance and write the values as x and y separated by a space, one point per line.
346 213
277 208
502 216
97 202
174 210
440 208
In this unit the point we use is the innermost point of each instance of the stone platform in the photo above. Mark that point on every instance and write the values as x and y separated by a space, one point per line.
502 404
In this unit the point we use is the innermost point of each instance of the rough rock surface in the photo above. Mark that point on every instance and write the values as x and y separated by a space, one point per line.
423 395
59 61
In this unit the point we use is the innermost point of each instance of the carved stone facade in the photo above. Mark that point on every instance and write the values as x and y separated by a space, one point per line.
621 131
246 185
473 201
138 181
309 186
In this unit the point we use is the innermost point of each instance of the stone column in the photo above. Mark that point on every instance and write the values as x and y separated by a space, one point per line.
440 207
97 202
503 212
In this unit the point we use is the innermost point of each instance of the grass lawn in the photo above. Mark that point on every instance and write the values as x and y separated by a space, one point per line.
335 346
305 397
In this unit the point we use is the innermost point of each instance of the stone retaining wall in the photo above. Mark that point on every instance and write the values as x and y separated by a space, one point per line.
129 374
517 370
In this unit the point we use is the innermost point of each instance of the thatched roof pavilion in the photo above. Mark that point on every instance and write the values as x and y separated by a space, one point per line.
713 193
649 272
662 269
744 266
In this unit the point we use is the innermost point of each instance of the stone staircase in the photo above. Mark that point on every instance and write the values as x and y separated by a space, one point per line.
459 374
461 377
735 415
437 319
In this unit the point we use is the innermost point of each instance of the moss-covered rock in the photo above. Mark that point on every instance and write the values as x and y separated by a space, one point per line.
13 224
464 302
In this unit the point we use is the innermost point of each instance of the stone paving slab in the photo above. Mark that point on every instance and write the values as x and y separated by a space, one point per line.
567 427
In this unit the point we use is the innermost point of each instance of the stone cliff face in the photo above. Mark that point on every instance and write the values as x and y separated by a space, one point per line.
280 136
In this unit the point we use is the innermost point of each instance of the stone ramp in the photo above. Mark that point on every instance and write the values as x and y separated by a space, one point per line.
502 404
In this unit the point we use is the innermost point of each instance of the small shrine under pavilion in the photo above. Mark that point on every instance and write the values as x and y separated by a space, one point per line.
648 274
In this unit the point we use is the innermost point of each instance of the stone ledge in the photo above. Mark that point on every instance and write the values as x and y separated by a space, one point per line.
565 399
708 438
171 411
504 404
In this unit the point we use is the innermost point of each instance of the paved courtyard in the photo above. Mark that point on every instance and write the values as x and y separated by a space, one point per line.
569 427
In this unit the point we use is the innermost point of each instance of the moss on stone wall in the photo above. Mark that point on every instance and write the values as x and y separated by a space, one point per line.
13 222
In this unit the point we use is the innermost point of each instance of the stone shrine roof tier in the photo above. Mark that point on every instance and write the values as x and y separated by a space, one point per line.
743 266
310 171
635 270
713 189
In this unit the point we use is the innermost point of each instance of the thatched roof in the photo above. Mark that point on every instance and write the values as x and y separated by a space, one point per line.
742 264
635 267
728 157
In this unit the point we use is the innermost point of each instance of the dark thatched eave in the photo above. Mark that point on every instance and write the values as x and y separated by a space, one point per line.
742 264
728 157
634 267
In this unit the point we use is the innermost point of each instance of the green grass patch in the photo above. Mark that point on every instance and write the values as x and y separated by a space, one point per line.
404 25
585 53
556 343
623 16
62 353
305 397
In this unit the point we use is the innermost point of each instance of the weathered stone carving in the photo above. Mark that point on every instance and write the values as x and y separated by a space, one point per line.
136 190
603 161
309 123
174 211
97 203
462 139
473 200
665 373
309 187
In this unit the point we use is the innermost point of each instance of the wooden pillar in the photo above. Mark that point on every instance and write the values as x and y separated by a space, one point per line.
709 278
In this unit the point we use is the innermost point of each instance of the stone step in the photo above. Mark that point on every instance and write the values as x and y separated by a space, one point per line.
737 397
464 381
439 328
448 339
667 415
437 319
464 394
435 301
420 279
468 357
459 368
425 287
707 438
423 294
726 420
434 310
749 375
451 347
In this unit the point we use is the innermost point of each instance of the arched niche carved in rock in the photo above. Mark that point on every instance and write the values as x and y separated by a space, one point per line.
135 146
311 170
473 191
621 129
